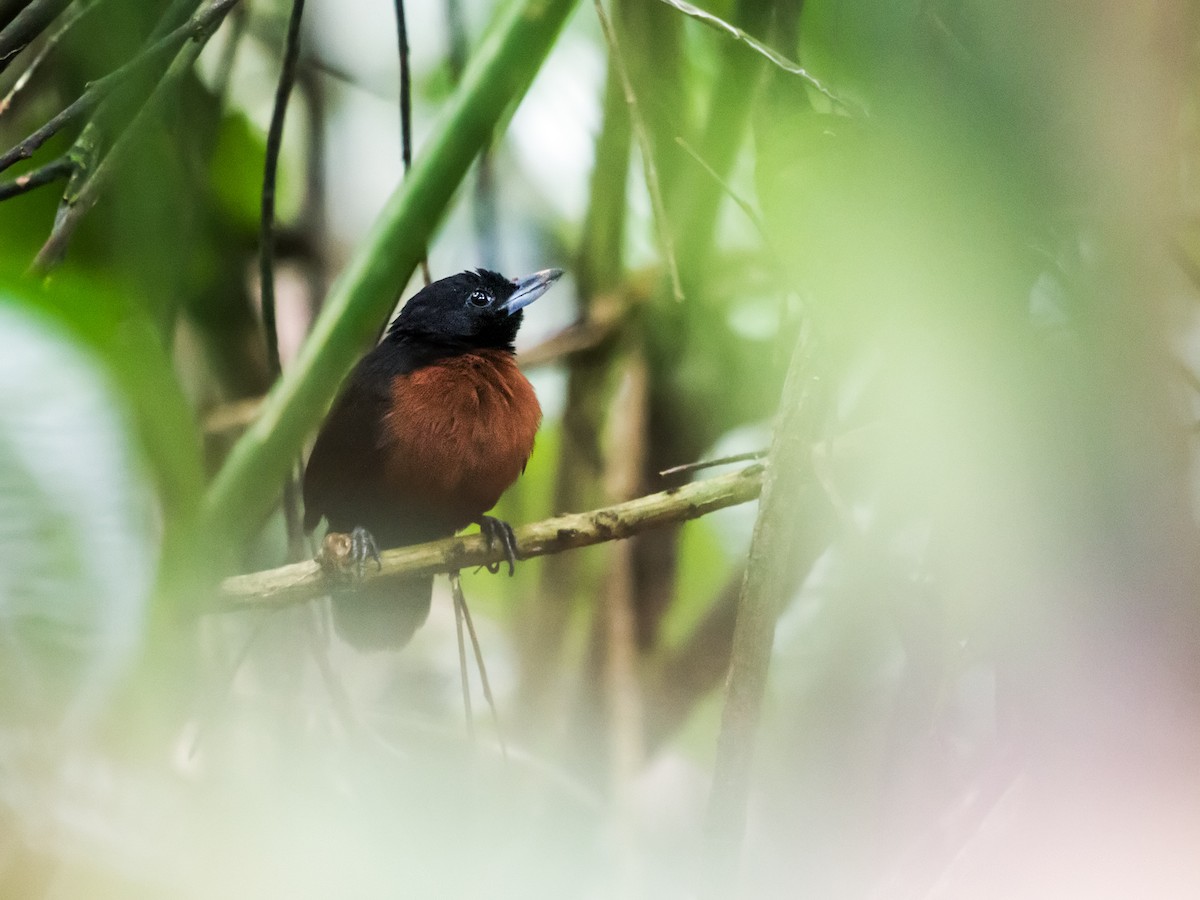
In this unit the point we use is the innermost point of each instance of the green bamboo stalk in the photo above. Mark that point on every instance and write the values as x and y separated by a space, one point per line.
501 71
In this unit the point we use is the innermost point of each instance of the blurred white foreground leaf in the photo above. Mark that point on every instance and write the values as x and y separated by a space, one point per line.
77 557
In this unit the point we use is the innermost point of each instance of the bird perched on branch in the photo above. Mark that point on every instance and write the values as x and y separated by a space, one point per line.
430 428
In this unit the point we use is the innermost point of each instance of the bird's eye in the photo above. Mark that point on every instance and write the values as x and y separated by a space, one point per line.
478 298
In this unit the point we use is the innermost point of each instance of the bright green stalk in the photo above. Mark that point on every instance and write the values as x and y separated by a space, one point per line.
508 57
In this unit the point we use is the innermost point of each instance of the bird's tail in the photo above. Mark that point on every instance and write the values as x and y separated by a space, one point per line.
382 616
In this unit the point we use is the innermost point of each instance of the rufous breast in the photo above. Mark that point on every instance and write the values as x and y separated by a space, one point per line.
460 432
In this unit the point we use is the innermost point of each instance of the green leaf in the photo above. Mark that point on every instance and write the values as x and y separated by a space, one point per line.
236 172
123 337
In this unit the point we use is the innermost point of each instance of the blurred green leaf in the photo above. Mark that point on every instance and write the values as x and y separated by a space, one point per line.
236 170
124 339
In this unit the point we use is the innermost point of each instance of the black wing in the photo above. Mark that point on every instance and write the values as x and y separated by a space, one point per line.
342 480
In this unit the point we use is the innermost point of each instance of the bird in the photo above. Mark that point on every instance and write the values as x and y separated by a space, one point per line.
427 431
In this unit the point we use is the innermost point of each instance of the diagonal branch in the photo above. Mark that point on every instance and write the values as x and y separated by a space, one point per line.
81 198
192 36
198 28
80 107
776 58
307 580
26 26
73 15
51 172
10 9
266 259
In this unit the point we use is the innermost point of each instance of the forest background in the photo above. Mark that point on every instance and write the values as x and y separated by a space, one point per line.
931 263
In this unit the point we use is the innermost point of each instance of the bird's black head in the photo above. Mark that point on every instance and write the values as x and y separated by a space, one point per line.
471 310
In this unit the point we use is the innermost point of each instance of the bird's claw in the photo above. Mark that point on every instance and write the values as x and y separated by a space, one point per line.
497 530
343 553
362 548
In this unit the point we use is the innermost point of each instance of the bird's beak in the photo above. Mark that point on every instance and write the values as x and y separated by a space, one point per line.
530 288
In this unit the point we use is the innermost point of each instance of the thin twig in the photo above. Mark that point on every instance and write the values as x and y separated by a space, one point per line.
406 106
484 681
460 604
307 580
405 87
266 259
743 204
709 463
77 12
772 255
283 92
463 674
197 29
27 25
643 138
82 106
775 57
405 133
51 172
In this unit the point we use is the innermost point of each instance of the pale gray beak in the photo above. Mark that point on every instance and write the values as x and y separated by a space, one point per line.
530 288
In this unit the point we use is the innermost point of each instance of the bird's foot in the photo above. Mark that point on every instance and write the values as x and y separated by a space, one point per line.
362 548
498 531
343 553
